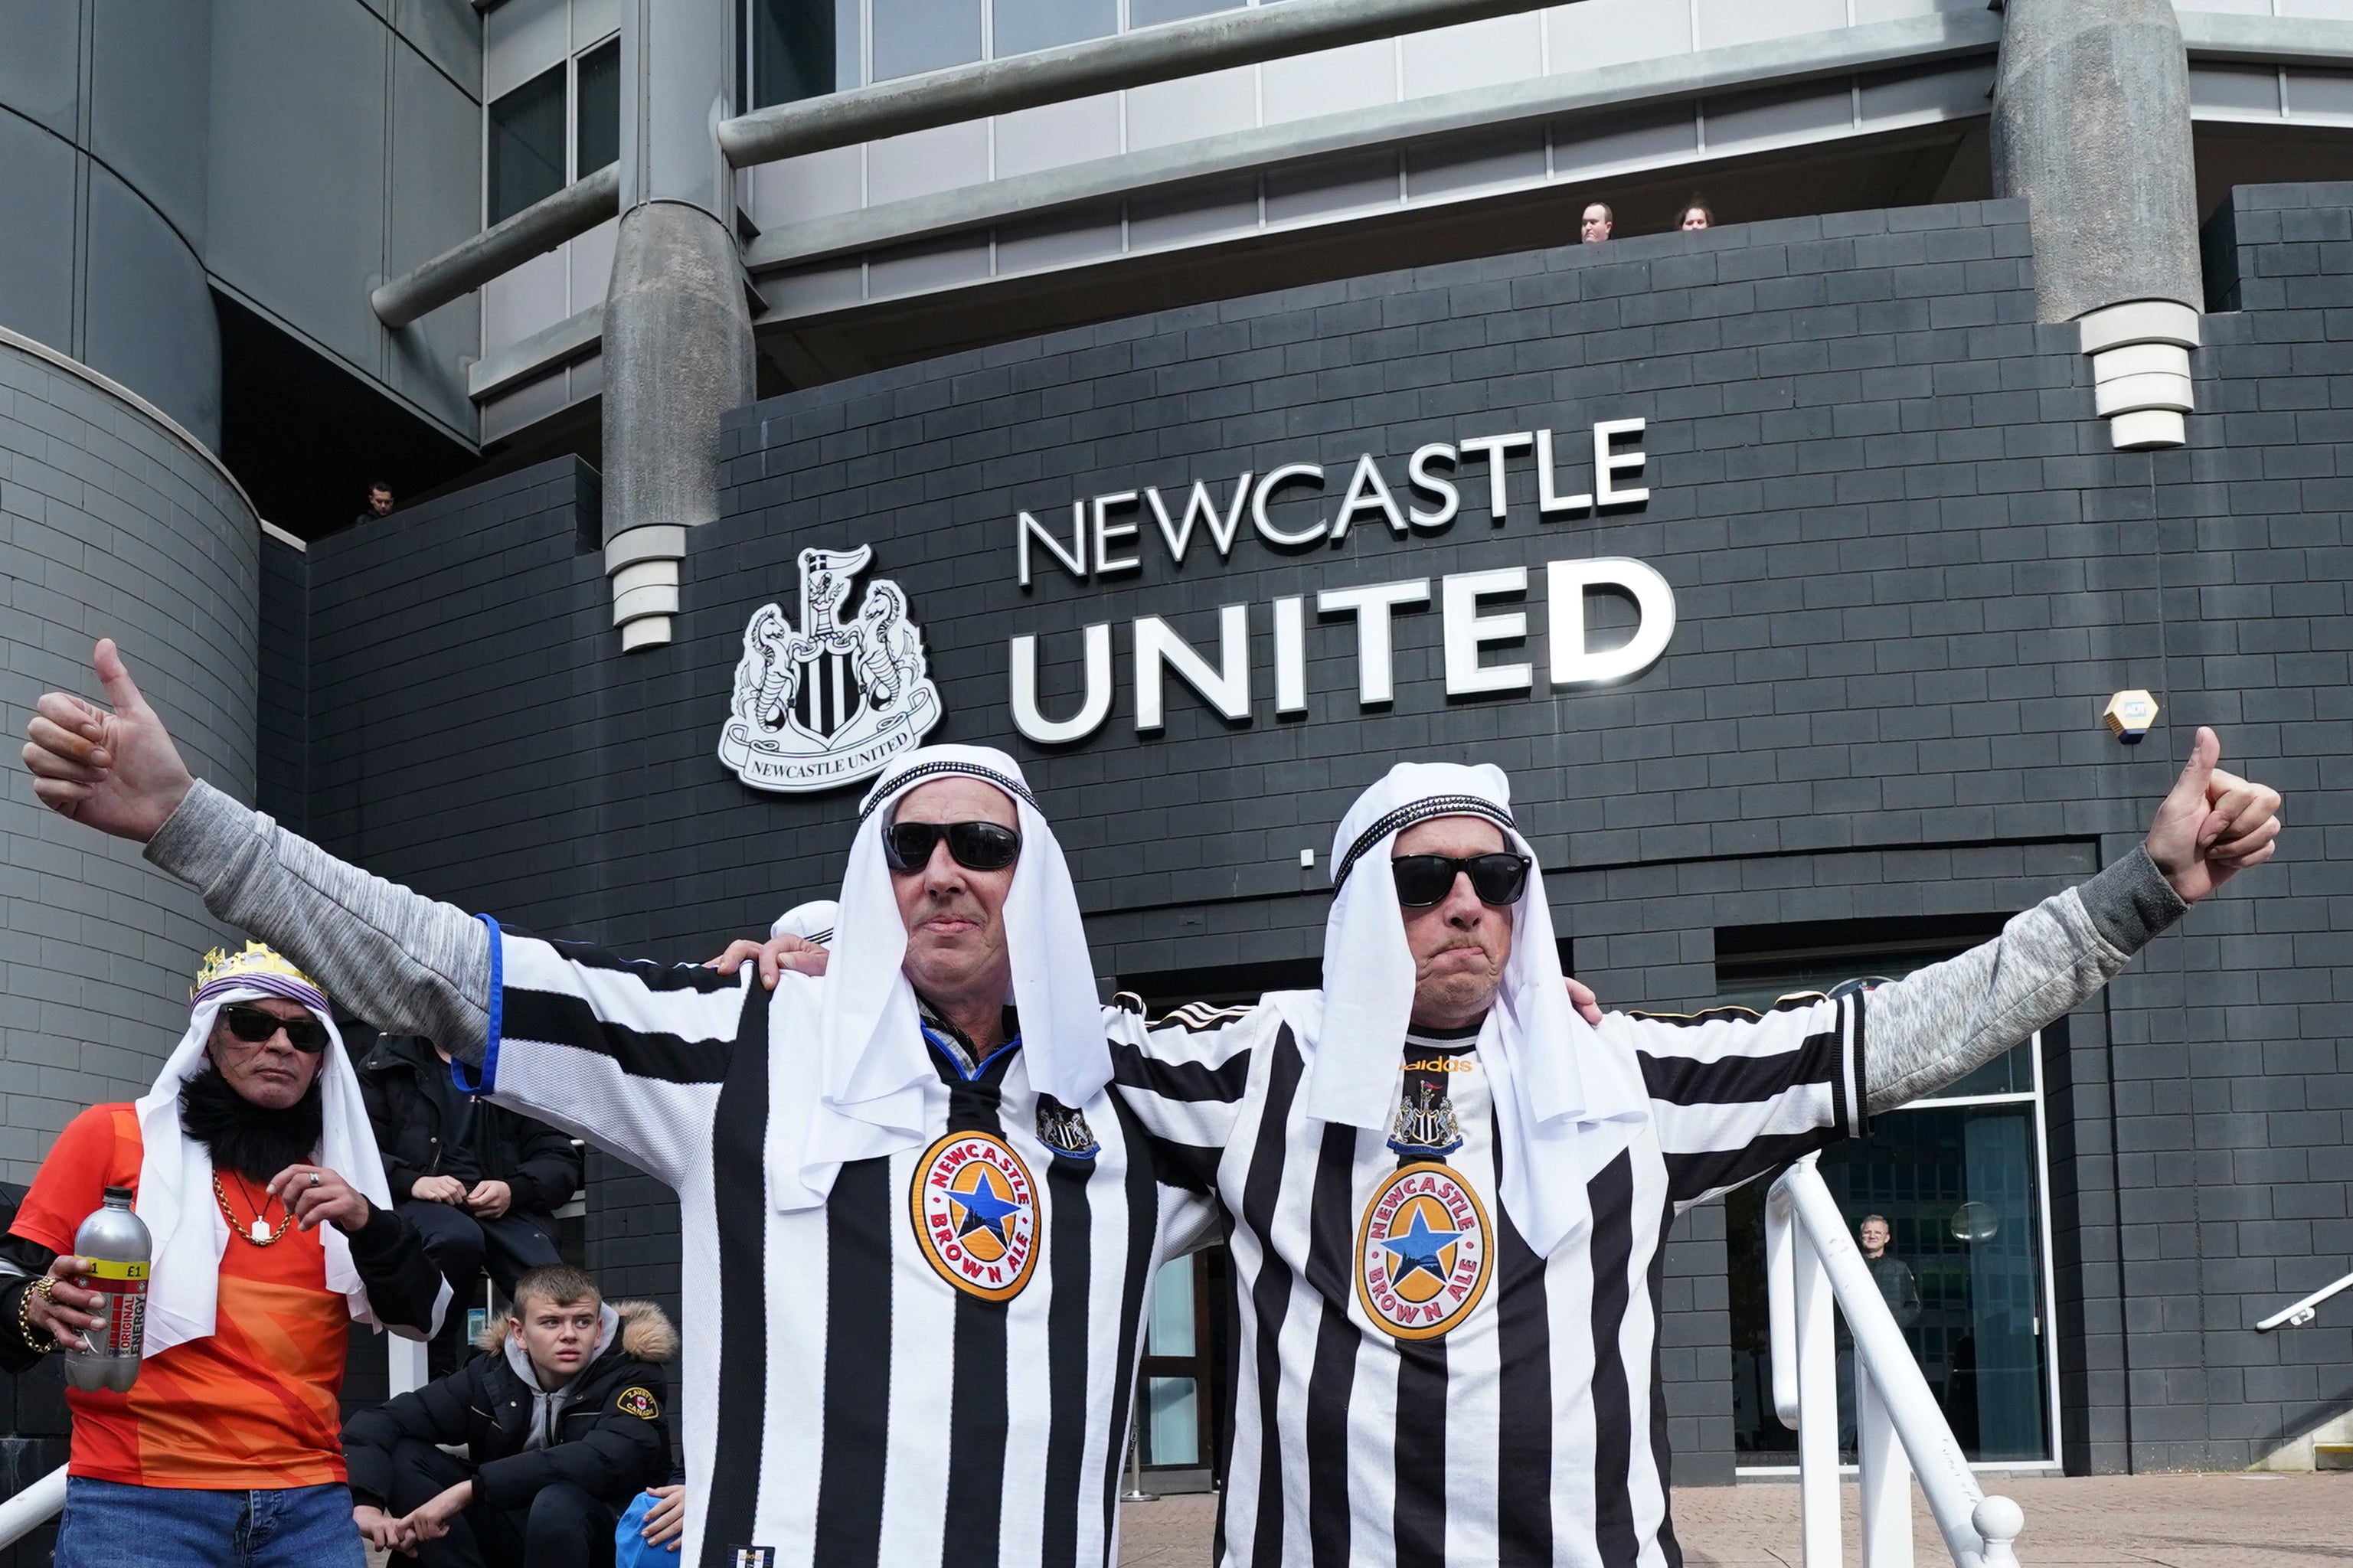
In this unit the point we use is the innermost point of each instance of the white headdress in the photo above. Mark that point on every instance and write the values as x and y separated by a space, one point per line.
875 1073
176 1172
1554 1077
812 922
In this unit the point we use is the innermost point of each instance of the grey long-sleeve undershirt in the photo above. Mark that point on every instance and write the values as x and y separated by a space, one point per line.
411 965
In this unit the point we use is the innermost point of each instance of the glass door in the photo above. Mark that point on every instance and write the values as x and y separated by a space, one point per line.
1948 1200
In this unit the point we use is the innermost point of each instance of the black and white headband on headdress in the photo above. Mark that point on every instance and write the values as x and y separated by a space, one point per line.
875 1074
1550 1072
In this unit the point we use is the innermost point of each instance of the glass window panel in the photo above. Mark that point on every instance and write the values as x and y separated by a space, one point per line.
1172 1429
1144 13
799 48
2012 1072
1962 1270
527 135
599 134
1021 25
912 35
1171 1332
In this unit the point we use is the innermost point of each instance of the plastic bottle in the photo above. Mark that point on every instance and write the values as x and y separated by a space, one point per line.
114 1242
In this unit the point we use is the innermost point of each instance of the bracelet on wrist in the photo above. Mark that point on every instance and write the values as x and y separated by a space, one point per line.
33 1337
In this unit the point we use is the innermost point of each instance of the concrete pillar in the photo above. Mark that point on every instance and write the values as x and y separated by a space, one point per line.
678 326
2091 125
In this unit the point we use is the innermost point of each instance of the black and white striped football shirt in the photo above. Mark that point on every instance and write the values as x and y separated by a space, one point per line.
1416 1387
933 1367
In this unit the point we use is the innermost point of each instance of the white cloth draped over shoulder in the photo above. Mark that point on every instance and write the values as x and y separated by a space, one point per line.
1566 1098
176 1172
874 1075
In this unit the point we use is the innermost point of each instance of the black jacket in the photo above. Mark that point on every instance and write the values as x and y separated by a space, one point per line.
535 1159
612 1438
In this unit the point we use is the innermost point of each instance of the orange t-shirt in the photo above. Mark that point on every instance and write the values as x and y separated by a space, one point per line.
252 1407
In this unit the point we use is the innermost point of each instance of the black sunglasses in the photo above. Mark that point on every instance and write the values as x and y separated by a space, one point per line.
255 1026
1498 878
974 845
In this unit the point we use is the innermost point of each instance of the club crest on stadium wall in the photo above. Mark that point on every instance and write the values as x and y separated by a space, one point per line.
830 700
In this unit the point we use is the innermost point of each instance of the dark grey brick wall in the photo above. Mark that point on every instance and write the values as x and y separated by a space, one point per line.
111 525
1909 570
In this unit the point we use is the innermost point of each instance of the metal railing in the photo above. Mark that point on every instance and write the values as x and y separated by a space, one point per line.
1810 1262
2303 1312
33 1506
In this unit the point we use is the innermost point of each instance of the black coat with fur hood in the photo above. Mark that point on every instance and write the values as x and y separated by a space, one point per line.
607 1431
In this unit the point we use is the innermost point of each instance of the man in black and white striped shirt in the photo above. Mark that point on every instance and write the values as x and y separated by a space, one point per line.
917 1231
1450 1193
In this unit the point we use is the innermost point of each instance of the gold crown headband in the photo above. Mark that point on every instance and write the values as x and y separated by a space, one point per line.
258 968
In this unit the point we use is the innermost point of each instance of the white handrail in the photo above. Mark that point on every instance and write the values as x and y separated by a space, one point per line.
35 1506
1899 1426
2303 1312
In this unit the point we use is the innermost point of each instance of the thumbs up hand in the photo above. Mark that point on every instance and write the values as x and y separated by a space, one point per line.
118 772
2212 825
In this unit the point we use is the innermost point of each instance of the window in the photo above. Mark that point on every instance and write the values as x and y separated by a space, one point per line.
1021 25
801 48
1144 13
596 138
526 145
911 35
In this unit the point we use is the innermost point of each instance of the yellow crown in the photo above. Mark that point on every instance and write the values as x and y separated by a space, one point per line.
256 959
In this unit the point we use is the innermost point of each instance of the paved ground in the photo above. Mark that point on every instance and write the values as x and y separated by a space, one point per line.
2103 1522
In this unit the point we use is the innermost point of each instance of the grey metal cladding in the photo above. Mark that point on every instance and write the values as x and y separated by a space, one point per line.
40 71
149 103
36 242
148 321
436 129
298 128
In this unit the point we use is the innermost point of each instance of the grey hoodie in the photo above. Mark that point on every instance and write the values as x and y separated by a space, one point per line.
547 1404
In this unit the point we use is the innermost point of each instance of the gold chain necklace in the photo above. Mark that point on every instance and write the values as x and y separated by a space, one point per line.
259 1234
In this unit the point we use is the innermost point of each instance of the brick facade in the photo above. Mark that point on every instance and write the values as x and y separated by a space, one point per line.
1909 571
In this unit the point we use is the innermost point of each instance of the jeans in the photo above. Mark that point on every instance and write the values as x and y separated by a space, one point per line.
563 1527
107 1524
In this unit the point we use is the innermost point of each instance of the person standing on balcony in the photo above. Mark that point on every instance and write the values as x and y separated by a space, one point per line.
273 1233
1594 227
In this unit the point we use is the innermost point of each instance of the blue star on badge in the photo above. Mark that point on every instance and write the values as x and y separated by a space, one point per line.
1418 1250
984 1210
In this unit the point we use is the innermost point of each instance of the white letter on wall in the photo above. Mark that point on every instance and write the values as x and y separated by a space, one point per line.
1494 446
1549 500
1368 491
1607 467
1465 629
1074 560
1226 689
1092 712
1267 487
1566 583
1289 655
1418 473
1107 530
1371 605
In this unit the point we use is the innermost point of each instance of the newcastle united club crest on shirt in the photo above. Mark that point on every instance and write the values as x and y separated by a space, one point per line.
833 699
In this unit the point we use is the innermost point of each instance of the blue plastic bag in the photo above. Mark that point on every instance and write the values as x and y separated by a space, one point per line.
630 1548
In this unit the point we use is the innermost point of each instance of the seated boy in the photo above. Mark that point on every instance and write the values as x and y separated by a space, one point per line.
562 1425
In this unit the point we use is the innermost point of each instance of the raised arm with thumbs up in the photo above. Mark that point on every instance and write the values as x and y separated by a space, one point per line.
2213 824
118 772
